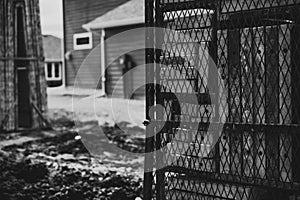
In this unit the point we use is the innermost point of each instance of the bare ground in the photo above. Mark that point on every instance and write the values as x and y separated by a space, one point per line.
92 153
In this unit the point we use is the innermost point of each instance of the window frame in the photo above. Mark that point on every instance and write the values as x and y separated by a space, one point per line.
83 46
53 78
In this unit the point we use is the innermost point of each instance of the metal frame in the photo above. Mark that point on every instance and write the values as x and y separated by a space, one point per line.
238 138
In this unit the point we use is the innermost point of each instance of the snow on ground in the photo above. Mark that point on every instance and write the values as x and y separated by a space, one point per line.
126 114
104 110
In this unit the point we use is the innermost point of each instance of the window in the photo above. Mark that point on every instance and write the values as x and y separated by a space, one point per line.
56 70
49 70
53 71
83 41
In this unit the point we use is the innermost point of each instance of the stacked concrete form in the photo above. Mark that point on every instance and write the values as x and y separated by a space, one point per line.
21 59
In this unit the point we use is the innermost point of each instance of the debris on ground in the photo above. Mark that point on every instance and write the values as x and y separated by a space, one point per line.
31 179
60 167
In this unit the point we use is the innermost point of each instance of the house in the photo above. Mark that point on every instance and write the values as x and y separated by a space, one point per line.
88 46
22 79
53 60
77 13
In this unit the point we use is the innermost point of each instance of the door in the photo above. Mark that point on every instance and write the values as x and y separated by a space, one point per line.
119 80
127 77
113 84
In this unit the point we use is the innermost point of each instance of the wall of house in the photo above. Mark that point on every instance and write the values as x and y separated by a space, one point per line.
77 13
118 41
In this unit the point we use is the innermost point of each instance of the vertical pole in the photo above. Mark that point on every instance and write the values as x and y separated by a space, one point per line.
213 59
160 176
149 159
234 97
234 68
103 60
213 78
272 98
295 53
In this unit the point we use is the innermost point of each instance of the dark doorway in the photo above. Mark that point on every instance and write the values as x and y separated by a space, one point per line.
116 72
128 78
24 108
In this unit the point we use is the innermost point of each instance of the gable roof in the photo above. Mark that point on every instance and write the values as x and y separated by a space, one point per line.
52 48
131 12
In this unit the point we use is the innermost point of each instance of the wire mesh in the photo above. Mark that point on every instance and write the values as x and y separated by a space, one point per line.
227 75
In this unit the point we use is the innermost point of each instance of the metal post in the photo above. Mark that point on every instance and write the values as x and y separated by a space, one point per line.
148 175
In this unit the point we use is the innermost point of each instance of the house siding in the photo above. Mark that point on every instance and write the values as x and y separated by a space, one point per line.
115 47
77 13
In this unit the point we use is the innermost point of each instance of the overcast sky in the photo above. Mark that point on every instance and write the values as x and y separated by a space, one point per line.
52 17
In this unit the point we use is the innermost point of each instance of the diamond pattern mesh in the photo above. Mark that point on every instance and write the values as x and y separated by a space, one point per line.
228 74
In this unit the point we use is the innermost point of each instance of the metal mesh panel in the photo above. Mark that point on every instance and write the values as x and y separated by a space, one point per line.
227 76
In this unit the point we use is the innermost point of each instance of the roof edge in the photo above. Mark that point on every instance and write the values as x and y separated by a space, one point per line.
94 25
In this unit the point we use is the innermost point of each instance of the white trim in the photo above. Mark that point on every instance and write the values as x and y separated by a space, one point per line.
115 23
63 65
103 60
63 47
83 46
53 60
46 70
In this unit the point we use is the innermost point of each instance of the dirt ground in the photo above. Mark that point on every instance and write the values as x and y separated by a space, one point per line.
92 153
